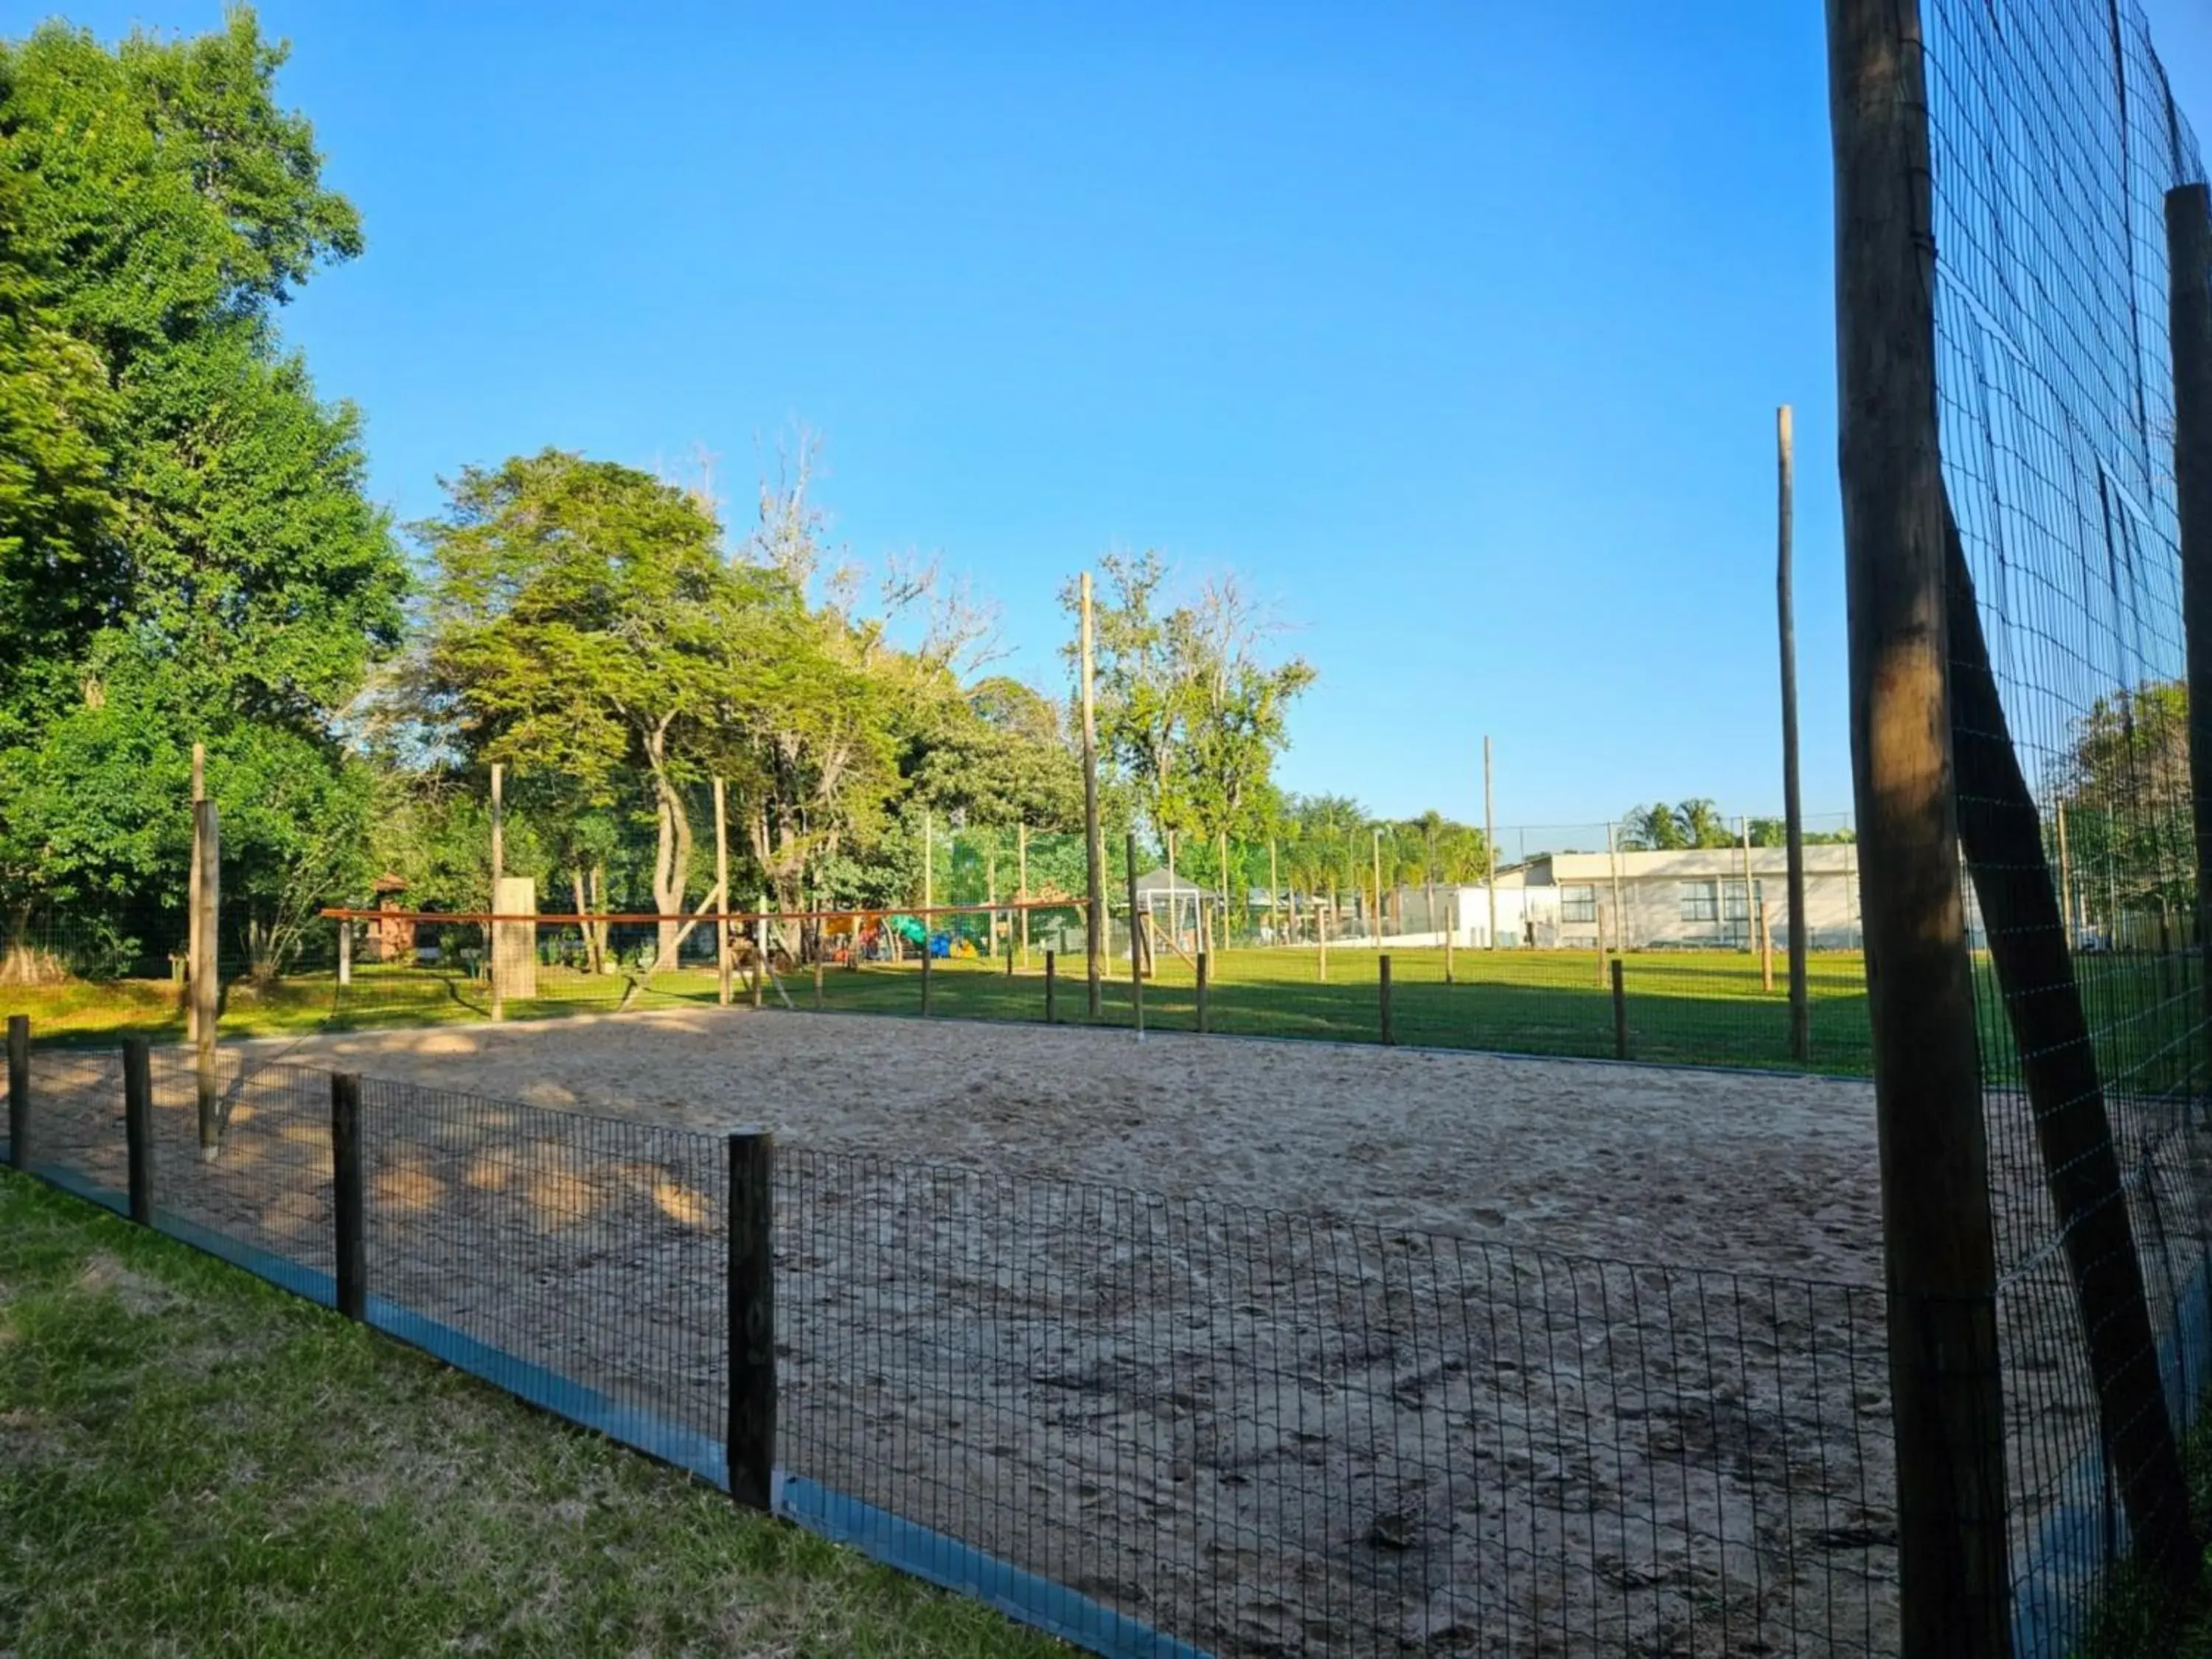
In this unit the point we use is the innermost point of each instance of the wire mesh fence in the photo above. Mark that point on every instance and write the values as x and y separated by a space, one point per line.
2055 143
1154 1425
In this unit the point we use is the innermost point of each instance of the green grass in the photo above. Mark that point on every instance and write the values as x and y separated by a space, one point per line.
1687 1007
193 1462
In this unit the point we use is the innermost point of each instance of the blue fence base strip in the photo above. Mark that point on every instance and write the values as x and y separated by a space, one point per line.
913 1549
2055 1577
945 1561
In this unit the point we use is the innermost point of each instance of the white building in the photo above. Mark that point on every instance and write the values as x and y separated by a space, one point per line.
1687 899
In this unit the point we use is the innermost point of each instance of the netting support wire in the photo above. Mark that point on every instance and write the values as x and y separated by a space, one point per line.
1938 1244
2189 246
750 1450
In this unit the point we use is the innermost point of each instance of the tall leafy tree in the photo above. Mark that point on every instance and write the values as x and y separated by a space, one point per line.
584 622
199 560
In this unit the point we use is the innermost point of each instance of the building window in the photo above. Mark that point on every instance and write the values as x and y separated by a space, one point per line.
1733 908
1701 901
1579 904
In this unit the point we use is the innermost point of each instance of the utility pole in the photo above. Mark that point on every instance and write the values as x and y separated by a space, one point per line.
1489 843
1793 811
1094 842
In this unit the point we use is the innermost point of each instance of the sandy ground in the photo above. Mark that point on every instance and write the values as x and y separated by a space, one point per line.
1768 1174
1281 1347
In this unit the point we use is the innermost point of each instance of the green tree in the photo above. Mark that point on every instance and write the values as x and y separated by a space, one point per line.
584 623
2124 782
189 552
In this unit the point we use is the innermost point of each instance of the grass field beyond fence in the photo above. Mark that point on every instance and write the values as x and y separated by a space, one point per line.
1680 1007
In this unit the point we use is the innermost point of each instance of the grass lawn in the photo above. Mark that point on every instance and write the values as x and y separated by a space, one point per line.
194 1463
1689 1007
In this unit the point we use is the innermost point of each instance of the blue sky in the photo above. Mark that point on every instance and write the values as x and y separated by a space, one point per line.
1458 329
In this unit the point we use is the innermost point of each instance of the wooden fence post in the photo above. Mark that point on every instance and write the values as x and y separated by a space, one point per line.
1940 1258
138 1126
1382 983
750 1445
19 1091
348 1202
1051 985
925 973
1205 1024
1619 1011
818 944
346 954
206 971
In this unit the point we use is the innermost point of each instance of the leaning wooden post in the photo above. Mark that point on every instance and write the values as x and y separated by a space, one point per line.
206 982
19 1091
1382 990
750 1446
1619 1011
1205 1024
1793 813
139 1126
722 886
2189 249
1939 1256
348 1200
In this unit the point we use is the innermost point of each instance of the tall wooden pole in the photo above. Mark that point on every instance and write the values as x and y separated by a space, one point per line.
1489 843
928 868
192 916
2189 246
206 966
1939 1256
2066 866
1022 887
498 870
722 887
1274 895
1612 861
1221 907
1793 811
1094 840
1750 900
1376 853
